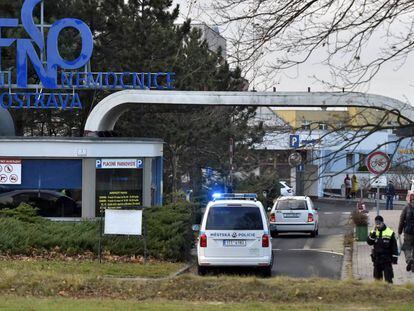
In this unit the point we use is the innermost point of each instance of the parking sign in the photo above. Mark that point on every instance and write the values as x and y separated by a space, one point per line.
294 141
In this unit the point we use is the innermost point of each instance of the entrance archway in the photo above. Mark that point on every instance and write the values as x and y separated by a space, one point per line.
6 123
105 115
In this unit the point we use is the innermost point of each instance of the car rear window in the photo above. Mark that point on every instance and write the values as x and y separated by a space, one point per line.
291 205
234 218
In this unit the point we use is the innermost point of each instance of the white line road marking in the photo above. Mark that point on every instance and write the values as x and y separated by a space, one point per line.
308 244
332 213
311 250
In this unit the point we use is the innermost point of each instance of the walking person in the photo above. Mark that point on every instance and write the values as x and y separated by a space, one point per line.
385 250
347 183
390 194
407 226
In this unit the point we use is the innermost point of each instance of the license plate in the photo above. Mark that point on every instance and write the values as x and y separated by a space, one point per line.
234 242
291 215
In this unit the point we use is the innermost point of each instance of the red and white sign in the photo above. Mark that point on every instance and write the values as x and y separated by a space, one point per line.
378 162
10 172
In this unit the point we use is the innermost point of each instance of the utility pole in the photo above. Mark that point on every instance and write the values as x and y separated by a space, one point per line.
231 154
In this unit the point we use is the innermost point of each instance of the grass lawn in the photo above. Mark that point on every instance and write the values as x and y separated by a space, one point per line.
63 304
90 269
57 282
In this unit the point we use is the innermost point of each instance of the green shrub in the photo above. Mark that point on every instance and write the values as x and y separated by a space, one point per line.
169 234
359 219
24 212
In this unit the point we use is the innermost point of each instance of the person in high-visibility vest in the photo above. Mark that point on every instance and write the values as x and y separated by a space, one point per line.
385 250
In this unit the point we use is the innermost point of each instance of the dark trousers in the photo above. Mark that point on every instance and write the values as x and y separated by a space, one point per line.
348 192
408 247
383 270
389 202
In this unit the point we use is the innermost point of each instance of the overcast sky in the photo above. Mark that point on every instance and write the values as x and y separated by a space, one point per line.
392 81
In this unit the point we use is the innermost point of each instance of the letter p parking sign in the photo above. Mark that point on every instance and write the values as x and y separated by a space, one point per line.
294 141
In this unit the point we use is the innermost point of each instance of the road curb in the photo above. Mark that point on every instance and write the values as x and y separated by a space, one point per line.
171 276
181 271
346 264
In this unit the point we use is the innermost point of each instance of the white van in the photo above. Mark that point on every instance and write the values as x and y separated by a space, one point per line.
235 232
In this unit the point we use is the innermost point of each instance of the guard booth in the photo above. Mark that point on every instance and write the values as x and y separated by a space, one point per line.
69 178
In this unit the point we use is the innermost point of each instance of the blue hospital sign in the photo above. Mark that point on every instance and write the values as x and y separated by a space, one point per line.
294 141
26 48
57 73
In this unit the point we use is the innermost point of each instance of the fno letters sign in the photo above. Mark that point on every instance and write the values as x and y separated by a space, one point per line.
56 73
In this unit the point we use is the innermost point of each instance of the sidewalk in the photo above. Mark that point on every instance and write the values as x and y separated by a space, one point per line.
361 261
371 203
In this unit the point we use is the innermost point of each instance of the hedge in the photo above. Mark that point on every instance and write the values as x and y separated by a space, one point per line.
169 234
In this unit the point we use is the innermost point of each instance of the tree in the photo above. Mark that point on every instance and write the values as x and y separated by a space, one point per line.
354 38
141 36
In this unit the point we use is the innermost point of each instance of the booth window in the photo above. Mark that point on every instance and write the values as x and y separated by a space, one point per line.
118 188
53 187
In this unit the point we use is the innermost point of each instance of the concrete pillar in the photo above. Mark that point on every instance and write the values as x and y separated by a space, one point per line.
146 183
88 188
293 179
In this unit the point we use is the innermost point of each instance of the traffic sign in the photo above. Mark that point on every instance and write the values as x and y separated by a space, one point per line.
378 162
11 172
295 159
294 141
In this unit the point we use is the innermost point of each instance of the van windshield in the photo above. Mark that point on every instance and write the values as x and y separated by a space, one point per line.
291 205
234 218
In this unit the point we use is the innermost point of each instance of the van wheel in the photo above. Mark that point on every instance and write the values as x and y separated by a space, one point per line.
201 270
274 234
267 272
313 234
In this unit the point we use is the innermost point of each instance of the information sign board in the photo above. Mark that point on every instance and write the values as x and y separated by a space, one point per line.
123 222
10 172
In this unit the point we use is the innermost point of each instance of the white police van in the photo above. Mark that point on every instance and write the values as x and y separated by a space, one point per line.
235 232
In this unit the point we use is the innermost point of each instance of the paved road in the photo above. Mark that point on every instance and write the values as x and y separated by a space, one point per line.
299 255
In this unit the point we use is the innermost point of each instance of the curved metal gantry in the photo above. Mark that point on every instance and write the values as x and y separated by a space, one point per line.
107 112
6 123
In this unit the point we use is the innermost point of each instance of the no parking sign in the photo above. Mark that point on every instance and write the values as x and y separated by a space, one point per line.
378 162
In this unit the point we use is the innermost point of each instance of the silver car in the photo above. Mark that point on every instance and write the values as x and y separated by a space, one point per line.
294 214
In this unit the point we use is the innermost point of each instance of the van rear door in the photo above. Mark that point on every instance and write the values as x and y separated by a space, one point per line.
234 230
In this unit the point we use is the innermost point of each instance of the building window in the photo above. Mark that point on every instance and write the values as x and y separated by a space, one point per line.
323 126
306 125
53 187
349 160
362 159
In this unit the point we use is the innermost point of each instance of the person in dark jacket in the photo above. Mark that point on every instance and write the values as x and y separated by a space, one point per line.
385 250
407 226
348 186
390 194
